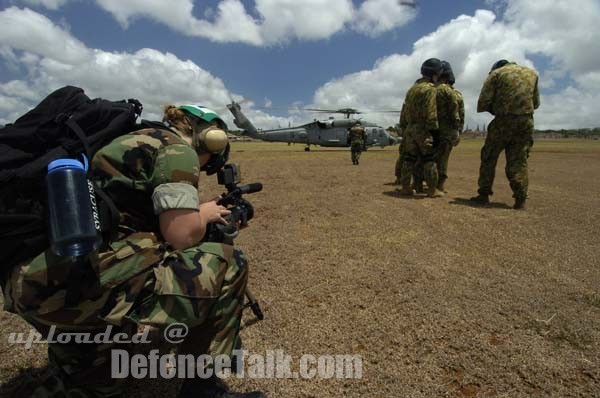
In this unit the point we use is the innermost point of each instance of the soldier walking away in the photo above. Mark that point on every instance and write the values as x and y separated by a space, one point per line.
357 139
420 121
511 94
451 111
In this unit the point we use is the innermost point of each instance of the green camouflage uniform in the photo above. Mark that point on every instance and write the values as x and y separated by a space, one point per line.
510 93
448 110
419 115
402 147
138 279
356 136
399 161
418 166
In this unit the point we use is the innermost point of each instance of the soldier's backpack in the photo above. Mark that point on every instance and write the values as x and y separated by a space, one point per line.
66 123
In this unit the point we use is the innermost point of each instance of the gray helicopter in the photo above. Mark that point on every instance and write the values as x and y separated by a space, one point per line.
327 133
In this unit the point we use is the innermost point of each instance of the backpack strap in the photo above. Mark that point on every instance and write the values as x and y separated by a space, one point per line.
72 124
114 214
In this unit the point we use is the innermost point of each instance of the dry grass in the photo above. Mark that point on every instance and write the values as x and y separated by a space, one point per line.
441 299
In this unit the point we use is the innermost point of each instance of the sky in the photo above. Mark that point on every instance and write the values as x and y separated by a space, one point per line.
280 55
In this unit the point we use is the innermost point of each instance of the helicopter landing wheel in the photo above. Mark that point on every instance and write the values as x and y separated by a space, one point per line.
307 149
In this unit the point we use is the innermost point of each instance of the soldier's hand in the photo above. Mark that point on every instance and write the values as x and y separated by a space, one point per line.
212 212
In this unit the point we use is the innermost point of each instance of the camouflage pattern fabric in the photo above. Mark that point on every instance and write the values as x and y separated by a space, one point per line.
402 124
137 280
449 118
448 112
461 109
510 90
400 160
356 136
512 134
132 166
511 94
419 114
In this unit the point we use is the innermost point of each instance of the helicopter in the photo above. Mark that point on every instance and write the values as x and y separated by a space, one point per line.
327 133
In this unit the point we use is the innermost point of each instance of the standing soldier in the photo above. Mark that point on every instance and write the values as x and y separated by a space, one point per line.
420 118
449 118
357 137
511 94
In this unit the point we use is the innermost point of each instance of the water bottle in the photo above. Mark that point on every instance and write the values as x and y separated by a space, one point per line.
74 221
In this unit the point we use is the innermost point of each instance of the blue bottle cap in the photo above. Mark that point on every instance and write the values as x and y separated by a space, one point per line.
67 163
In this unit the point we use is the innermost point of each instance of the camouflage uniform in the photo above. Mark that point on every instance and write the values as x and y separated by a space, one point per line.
510 93
399 161
138 279
449 120
356 136
419 116
402 124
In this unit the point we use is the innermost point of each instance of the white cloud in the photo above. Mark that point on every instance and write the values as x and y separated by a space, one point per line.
29 31
49 4
276 21
283 20
378 16
565 34
30 40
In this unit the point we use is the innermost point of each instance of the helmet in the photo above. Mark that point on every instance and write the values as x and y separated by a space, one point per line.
447 72
431 67
204 113
498 64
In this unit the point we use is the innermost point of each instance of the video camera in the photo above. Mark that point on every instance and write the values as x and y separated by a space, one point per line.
241 210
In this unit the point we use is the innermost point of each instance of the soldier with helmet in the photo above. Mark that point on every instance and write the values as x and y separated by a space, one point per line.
511 94
357 139
420 121
450 108
157 272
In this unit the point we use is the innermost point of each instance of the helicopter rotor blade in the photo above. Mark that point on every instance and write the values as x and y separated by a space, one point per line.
376 111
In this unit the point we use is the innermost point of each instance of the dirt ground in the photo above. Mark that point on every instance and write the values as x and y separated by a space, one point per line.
440 298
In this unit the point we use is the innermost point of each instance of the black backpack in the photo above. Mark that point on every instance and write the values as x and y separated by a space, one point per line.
66 123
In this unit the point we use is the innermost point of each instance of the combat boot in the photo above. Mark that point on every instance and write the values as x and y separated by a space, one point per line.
481 199
419 188
441 186
397 182
435 193
519 204
212 388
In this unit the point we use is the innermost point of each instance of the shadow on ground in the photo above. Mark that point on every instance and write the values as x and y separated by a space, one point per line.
467 202
23 383
396 194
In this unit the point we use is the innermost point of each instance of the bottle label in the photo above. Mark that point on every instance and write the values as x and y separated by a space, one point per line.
94 204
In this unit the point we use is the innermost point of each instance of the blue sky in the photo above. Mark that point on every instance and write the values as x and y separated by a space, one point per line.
327 58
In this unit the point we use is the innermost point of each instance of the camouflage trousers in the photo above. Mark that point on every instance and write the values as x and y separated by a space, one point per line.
417 169
419 145
136 282
514 135
356 147
444 145
400 160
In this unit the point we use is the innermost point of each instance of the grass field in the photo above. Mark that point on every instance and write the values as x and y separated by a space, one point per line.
441 298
